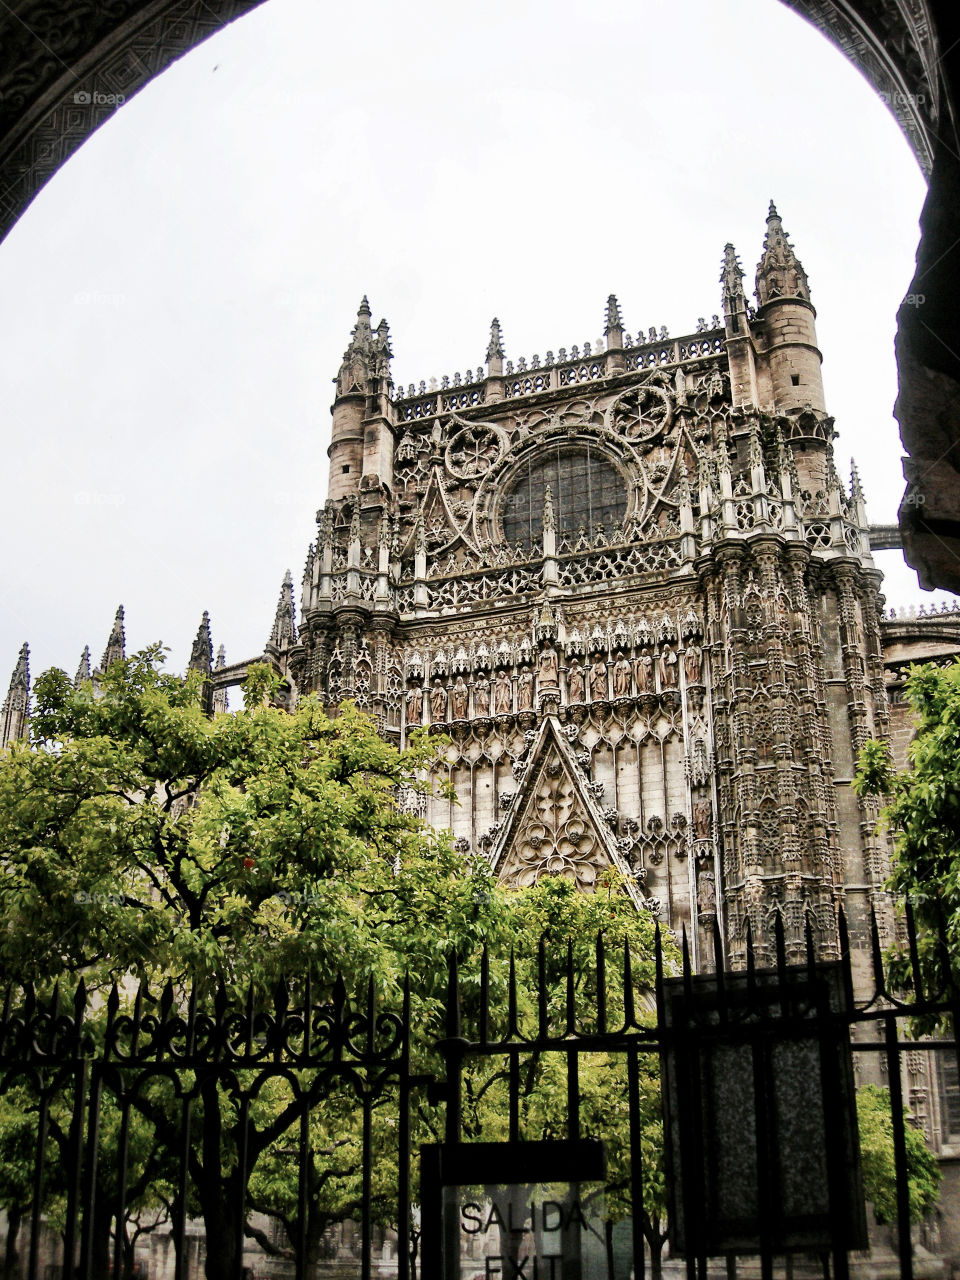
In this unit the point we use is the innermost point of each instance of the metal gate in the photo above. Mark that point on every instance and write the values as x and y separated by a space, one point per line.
551 1076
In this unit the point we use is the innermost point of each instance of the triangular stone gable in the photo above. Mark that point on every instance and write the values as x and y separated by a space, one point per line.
555 826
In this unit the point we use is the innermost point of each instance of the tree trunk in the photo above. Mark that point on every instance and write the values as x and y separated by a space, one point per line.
102 1217
220 1206
608 1245
414 1251
10 1254
656 1257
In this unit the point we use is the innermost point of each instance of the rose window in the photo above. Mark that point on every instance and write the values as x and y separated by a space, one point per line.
586 488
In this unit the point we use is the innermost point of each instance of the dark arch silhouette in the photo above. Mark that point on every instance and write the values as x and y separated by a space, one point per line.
67 65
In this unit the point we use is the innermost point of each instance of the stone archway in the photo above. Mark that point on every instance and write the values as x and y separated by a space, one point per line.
67 65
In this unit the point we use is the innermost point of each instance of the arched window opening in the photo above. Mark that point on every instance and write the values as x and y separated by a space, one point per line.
586 488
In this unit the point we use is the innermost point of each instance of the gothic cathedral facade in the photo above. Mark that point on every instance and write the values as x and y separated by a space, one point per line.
628 585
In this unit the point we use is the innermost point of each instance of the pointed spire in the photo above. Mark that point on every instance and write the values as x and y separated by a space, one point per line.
495 345
84 671
365 353
116 644
219 703
384 352
201 655
284 623
779 272
14 715
731 278
306 582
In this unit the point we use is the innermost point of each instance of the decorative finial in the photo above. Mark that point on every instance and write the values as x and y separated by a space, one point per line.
772 212
495 345
221 661
732 280
614 319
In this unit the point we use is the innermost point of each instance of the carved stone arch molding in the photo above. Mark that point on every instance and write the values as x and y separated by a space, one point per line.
54 49
69 64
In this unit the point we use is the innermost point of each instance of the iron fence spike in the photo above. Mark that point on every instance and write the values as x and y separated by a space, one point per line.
601 984
876 953
629 1004
780 941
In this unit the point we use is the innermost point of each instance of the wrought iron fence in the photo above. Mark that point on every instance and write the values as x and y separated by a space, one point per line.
117 1100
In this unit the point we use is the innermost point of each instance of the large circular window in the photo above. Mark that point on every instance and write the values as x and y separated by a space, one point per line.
587 490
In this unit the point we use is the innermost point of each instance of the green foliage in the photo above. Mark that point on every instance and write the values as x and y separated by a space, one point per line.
922 809
875 1121
141 837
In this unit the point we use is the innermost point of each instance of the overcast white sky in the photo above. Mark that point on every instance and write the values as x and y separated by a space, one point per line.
175 303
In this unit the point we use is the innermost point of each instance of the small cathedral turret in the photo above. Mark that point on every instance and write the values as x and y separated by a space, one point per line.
788 316
15 714
116 643
284 632
201 654
362 439
84 671
740 342
219 701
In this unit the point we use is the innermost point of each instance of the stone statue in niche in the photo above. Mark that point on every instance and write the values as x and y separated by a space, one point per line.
414 705
644 672
548 669
702 820
598 680
438 702
692 662
481 696
525 690
707 894
668 668
621 677
458 699
502 694
575 683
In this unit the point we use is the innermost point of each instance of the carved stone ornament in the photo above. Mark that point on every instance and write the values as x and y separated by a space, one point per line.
555 826
473 451
643 413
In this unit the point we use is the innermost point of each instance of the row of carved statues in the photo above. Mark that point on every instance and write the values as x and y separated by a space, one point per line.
592 682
